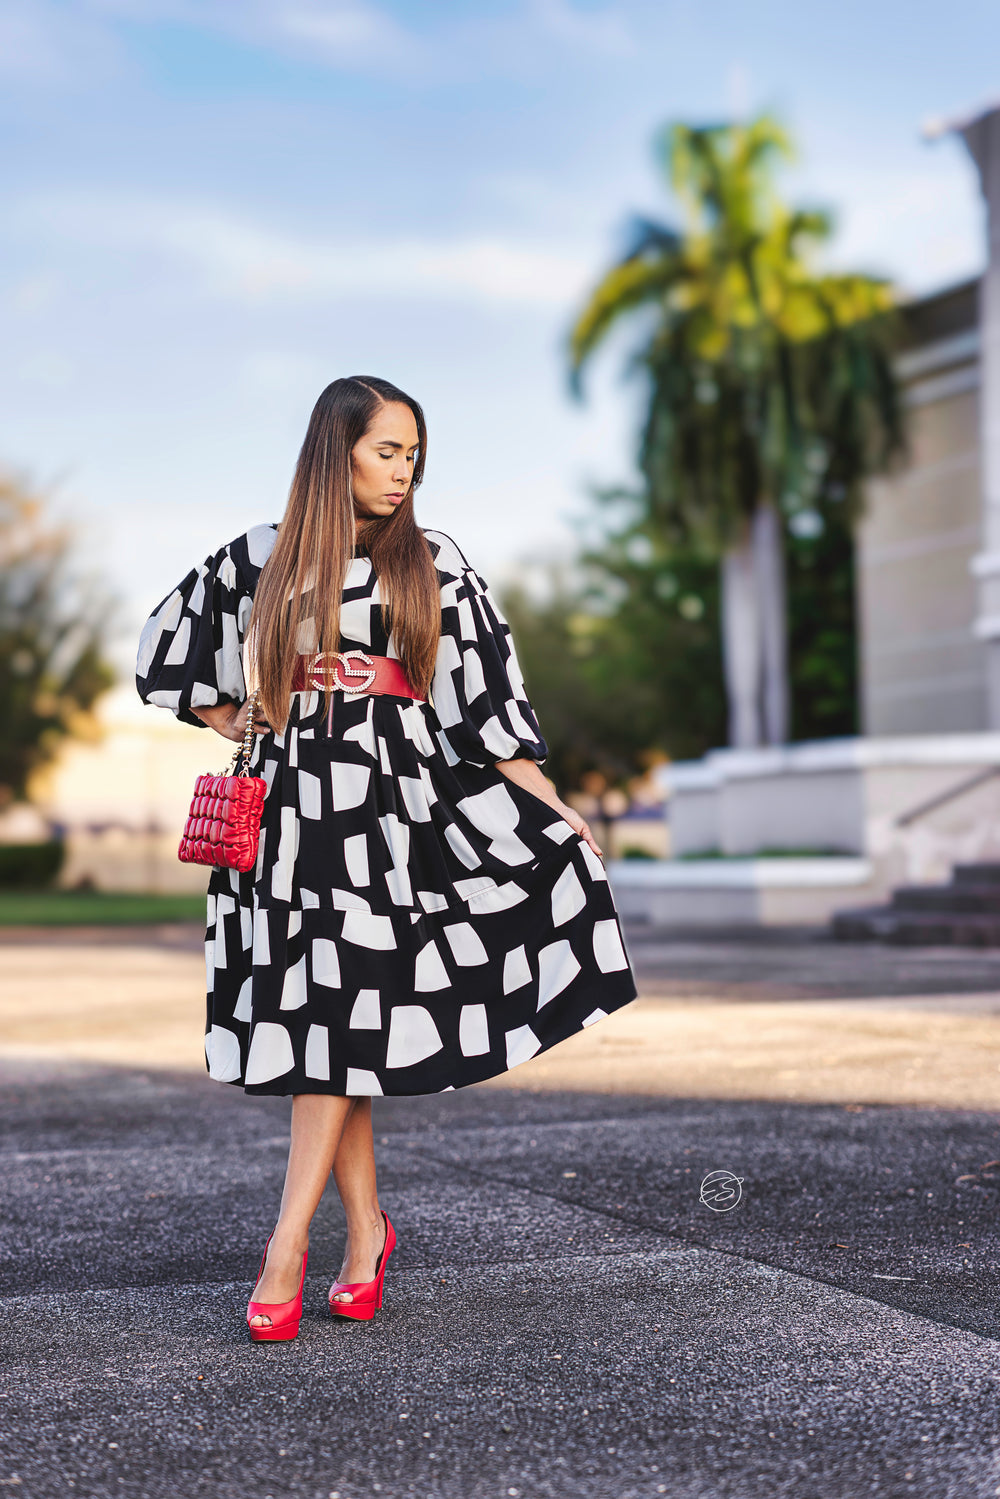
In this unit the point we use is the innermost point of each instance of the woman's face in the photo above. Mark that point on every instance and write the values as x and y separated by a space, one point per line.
382 462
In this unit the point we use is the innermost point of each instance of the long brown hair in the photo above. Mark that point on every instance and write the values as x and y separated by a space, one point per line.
304 576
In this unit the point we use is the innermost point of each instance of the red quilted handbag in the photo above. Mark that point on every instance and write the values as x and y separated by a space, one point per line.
223 824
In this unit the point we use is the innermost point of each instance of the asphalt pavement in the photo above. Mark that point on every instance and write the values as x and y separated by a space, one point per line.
564 1315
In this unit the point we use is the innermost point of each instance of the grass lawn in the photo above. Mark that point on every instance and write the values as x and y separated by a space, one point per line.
95 908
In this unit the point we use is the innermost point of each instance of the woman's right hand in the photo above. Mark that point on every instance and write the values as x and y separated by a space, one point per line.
230 720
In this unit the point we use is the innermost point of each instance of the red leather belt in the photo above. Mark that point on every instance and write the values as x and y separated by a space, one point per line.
352 671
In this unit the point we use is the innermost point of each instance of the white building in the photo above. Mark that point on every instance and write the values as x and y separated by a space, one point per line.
917 793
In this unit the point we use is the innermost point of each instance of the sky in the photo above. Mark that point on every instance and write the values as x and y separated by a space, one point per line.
215 207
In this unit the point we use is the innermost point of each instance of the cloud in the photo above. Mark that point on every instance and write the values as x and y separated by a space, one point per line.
235 257
47 42
361 36
341 33
81 42
41 44
601 31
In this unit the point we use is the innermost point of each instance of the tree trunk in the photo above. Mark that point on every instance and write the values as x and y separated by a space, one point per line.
754 634
741 641
769 560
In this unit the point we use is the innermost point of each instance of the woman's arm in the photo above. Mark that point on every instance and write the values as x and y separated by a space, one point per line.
528 774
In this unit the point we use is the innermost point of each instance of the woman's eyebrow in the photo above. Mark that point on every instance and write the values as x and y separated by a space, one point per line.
385 442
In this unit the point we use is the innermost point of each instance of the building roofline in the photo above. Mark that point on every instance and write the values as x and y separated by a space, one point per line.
938 125
954 289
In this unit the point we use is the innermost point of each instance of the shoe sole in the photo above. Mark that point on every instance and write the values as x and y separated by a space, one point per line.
283 1334
363 1313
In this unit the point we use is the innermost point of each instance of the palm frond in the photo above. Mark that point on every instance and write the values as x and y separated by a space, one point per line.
768 380
646 237
631 284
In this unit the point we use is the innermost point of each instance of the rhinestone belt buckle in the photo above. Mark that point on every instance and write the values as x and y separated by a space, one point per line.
342 660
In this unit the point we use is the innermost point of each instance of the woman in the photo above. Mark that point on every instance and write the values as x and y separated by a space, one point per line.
425 912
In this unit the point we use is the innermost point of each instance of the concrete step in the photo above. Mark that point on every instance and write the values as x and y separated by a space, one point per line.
976 874
917 928
944 899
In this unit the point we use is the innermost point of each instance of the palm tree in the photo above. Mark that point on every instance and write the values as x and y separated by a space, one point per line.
771 388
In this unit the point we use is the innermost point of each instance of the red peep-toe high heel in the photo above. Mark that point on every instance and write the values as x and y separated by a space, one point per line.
285 1315
367 1294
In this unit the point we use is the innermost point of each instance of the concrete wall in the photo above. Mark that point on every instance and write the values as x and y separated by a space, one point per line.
820 811
922 668
849 796
739 892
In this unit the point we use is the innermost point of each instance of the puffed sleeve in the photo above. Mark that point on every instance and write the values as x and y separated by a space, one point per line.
190 649
478 692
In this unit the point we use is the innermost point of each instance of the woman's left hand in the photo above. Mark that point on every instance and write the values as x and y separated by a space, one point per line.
527 773
578 825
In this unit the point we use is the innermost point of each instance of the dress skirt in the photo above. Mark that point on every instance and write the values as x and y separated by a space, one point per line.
415 921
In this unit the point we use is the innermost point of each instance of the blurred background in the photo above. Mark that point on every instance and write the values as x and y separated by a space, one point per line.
702 311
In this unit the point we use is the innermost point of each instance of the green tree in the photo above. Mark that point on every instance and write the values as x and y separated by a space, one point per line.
662 602
585 728
771 389
622 657
52 667
822 645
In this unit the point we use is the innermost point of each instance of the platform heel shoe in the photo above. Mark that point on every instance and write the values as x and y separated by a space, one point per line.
285 1315
367 1294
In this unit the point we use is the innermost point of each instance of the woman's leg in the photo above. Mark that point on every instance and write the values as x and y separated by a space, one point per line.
318 1121
354 1173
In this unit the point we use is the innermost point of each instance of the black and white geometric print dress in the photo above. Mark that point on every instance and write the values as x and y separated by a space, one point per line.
415 921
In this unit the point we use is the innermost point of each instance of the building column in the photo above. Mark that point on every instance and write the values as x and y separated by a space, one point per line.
982 138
